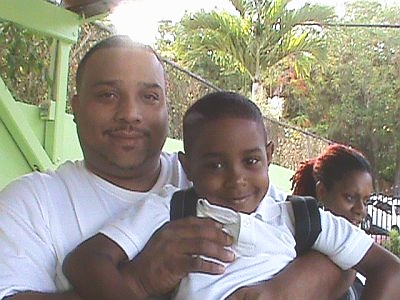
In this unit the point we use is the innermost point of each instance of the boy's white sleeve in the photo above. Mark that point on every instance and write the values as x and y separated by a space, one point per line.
132 230
344 243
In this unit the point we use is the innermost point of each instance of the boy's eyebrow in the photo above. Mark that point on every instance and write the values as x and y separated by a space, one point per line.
218 154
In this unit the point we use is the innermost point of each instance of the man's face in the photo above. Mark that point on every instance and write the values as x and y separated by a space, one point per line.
349 196
121 112
228 163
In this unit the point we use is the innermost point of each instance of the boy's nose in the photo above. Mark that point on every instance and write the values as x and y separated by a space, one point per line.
236 178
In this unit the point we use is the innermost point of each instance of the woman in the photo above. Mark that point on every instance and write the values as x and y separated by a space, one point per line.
342 181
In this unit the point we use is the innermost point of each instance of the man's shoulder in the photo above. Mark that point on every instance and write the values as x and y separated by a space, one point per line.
44 180
171 172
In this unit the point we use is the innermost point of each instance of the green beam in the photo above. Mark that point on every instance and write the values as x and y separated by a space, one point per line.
21 131
54 139
42 16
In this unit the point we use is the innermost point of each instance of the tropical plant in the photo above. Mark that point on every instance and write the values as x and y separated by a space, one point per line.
355 99
393 243
265 36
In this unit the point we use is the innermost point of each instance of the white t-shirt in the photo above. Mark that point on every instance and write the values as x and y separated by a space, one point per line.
43 216
264 241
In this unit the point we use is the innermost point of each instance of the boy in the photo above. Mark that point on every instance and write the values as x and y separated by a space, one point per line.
226 157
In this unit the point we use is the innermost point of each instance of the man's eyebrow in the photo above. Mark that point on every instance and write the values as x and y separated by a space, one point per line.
107 82
116 82
149 85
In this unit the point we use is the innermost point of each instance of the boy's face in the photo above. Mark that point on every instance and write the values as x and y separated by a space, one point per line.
229 163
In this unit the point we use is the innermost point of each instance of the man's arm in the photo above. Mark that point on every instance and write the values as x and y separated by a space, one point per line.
174 251
382 271
99 268
44 296
312 276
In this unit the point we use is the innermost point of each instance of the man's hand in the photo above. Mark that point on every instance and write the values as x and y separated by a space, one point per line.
174 251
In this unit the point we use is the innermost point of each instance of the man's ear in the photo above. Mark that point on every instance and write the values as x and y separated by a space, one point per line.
184 160
270 147
320 191
75 103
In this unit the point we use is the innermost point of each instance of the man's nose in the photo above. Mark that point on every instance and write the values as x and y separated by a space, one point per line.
129 110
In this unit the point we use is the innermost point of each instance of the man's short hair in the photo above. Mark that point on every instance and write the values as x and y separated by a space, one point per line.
115 41
215 106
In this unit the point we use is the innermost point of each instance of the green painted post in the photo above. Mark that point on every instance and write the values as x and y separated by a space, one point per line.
54 139
21 131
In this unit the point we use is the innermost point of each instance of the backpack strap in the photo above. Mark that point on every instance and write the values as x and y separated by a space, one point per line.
183 204
307 221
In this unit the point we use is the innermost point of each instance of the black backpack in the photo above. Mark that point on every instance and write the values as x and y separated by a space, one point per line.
307 224
306 214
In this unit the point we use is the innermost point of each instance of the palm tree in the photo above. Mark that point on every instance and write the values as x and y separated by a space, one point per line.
263 36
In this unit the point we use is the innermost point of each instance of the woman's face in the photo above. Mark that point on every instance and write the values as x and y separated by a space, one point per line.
349 196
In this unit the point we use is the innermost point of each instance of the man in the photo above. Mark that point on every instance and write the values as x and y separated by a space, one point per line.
121 116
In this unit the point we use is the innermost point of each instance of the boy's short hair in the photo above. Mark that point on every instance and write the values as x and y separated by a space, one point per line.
115 41
218 105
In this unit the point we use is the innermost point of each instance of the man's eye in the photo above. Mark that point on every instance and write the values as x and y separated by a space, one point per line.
108 95
151 97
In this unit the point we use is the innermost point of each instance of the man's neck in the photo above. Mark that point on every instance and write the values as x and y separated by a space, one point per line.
142 179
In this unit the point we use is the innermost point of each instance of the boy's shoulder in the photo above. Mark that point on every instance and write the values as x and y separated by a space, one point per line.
276 194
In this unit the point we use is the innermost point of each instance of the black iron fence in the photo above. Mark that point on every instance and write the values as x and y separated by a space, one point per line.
383 216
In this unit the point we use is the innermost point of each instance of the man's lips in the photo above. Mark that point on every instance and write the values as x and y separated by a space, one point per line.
127 133
127 137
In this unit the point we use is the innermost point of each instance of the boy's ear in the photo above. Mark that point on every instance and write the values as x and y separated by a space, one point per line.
320 191
184 160
270 147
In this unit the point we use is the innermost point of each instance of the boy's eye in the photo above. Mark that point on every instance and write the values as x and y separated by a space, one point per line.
252 161
215 165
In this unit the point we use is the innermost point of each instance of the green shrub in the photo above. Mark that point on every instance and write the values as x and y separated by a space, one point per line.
393 243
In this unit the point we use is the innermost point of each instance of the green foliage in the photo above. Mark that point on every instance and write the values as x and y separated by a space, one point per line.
24 62
265 35
355 99
25 59
393 243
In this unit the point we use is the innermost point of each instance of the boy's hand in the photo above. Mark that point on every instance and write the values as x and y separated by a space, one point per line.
174 251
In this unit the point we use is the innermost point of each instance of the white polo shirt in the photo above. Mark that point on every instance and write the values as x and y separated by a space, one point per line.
264 241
